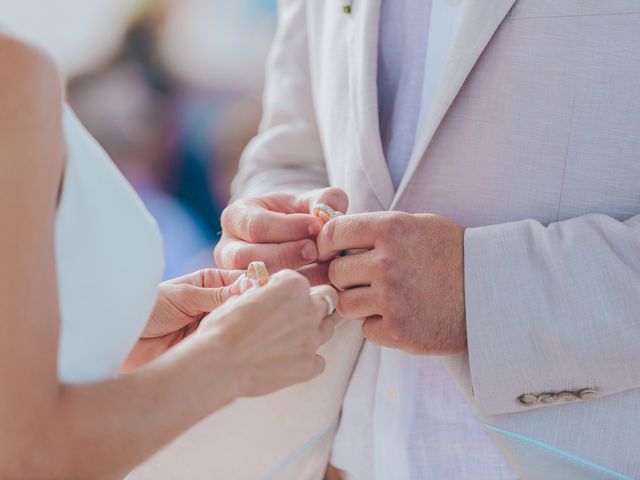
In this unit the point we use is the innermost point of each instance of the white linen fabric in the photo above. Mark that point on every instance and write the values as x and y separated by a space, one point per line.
108 260
403 416
531 142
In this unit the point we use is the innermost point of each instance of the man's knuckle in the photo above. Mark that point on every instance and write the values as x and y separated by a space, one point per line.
344 306
334 272
329 230
344 302
240 256
219 257
254 228
384 263
227 216
395 225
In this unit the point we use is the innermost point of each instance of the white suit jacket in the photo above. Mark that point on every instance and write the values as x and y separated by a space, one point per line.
533 143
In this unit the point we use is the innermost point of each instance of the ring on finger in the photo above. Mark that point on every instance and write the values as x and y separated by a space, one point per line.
331 306
324 212
258 272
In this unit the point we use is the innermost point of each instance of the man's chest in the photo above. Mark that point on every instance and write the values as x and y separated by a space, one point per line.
545 126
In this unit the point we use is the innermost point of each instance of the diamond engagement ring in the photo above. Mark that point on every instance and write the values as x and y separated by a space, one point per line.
324 212
258 272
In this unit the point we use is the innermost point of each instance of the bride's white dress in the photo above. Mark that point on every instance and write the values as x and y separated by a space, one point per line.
109 263
108 259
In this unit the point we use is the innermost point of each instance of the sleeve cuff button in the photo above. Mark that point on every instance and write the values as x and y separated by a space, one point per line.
588 394
548 398
567 396
527 400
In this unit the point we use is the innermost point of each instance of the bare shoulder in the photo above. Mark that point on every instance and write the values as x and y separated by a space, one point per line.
31 100
26 68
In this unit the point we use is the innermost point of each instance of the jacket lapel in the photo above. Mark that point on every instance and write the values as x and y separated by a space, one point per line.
478 23
363 72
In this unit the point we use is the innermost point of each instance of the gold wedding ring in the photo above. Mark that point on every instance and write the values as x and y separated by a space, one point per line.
324 212
258 272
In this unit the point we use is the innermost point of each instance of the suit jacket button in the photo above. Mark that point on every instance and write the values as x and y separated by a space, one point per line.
548 398
527 400
588 394
567 396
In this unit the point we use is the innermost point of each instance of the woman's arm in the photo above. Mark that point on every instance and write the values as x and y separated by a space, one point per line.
49 430
46 428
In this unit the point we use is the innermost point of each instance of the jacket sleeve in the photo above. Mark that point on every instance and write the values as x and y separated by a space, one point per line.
552 309
287 153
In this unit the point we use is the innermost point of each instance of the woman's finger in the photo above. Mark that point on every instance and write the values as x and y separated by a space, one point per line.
205 300
207 278
214 277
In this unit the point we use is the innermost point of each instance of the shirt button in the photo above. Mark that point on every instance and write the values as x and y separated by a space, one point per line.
527 400
392 395
587 394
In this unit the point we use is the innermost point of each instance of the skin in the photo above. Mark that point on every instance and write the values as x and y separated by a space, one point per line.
253 344
182 304
408 285
277 229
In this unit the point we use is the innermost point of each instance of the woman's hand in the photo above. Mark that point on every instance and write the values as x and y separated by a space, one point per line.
270 334
182 303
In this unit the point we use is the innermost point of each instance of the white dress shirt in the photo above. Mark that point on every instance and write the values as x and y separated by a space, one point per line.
403 417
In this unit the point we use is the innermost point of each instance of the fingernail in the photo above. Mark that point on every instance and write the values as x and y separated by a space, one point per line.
309 252
314 228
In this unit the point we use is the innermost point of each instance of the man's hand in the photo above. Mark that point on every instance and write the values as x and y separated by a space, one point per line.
408 285
277 229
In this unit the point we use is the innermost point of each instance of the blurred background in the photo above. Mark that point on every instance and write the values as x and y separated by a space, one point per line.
172 91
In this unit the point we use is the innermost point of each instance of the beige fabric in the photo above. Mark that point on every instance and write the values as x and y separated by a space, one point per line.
533 141
277 436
